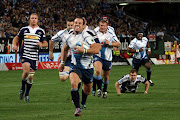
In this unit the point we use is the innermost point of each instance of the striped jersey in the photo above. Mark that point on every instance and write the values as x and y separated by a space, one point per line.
136 45
126 82
31 36
106 52
83 61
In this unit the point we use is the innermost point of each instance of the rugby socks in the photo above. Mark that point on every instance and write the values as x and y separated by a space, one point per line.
79 85
84 98
28 89
75 97
98 81
94 84
24 81
148 74
105 86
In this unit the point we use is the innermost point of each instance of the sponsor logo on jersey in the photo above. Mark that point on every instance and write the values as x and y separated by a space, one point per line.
31 37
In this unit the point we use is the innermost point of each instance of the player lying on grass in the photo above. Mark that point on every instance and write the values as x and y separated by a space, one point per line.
130 82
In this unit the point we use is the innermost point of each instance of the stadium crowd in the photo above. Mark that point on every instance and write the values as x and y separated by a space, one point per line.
52 16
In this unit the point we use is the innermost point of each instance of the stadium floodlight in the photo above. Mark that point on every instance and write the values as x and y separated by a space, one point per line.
123 3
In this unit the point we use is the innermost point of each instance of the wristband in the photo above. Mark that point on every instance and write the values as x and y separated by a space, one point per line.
62 62
149 49
137 50
110 44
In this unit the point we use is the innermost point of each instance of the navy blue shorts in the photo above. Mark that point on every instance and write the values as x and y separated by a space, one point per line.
33 63
106 65
86 75
68 62
136 63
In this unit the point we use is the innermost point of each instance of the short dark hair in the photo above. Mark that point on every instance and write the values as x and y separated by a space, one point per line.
103 21
70 19
82 19
133 71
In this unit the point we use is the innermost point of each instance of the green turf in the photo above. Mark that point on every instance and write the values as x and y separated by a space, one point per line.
50 99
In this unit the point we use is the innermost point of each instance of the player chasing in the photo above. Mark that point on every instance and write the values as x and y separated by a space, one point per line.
102 60
33 38
82 62
138 46
130 82
61 36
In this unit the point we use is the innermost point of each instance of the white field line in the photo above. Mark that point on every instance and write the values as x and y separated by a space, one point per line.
34 84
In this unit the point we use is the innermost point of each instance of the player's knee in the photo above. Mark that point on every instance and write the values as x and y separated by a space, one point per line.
74 85
26 72
63 78
98 72
87 92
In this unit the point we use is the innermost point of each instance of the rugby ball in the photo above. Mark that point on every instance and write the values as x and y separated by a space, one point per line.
85 44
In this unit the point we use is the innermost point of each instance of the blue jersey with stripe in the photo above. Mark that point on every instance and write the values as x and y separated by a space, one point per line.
83 61
31 36
136 45
106 51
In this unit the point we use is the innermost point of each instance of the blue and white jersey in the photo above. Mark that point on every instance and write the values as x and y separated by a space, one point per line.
106 52
61 36
136 45
90 31
126 82
110 29
31 36
83 61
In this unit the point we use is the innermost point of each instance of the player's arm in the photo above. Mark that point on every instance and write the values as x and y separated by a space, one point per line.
51 46
64 54
146 87
113 44
94 48
149 49
15 42
118 90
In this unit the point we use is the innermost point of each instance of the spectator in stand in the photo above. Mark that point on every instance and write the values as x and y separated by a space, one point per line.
2 35
160 34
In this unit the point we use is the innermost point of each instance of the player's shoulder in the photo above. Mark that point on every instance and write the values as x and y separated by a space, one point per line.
110 28
90 31
96 29
134 40
24 28
140 77
144 38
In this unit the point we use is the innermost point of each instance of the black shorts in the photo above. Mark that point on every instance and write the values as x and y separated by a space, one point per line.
33 63
86 75
136 63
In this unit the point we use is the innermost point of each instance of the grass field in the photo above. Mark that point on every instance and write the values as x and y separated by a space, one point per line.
50 99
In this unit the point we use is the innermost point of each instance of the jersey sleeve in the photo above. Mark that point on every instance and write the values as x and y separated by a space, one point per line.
43 37
132 44
58 36
123 79
21 33
142 79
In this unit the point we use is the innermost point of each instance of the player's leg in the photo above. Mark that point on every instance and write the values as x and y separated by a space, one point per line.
97 78
74 78
148 71
85 92
26 70
63 76
29 84
33 67
105 82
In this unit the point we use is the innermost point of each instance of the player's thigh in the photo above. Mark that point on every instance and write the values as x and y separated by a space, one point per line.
98 67
87 88
26 67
